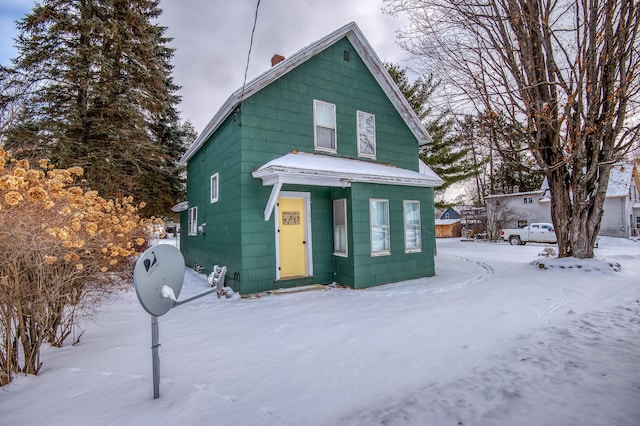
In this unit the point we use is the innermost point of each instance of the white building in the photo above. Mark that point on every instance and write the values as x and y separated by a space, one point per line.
621 217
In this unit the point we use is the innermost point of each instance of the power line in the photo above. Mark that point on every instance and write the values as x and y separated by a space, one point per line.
246 69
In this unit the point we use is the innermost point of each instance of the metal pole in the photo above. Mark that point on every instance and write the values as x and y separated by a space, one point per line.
155 358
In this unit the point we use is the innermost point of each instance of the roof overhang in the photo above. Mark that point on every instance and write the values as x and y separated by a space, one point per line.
180 207
301 168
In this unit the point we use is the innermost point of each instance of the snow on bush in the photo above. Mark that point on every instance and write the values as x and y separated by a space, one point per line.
62 248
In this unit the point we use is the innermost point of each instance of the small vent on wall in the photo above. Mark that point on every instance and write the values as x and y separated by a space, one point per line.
345 55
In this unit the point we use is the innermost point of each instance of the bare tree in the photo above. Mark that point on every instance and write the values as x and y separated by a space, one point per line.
567 70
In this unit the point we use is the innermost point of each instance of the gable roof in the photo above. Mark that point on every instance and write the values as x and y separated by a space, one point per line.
352 32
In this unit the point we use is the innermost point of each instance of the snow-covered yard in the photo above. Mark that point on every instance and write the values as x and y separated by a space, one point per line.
490 340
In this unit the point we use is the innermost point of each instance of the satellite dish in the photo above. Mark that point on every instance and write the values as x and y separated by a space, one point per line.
159 267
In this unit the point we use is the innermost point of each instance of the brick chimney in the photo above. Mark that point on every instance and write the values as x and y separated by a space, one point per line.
276 59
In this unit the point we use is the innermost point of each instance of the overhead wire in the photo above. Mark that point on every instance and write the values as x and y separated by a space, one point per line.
246 69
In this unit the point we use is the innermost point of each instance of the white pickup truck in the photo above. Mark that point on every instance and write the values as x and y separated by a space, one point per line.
535 233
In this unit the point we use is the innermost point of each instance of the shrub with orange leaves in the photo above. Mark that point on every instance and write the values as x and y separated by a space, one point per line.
62 248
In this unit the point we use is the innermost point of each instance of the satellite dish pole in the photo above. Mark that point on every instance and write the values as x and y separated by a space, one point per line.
158 277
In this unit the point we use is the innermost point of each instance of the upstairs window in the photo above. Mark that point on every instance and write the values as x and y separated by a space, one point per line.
366 134
324 121
340 227
192 223
412 228
214 188
379 221
528 200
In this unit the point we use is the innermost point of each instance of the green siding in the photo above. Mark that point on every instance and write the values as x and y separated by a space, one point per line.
398 266
221 243
271 123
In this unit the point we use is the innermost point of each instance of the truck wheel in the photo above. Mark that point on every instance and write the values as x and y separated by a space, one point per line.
515 241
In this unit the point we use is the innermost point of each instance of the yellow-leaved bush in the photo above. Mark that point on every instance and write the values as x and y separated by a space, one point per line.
62 248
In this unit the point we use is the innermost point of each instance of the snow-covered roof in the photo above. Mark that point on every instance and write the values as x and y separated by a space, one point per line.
303 168
516 194
619 182
447 221
352 32
318 169
180 207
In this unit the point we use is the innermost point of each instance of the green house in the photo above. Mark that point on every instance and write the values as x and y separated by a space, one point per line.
310 175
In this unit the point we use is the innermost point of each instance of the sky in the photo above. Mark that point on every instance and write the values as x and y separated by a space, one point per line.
500 336
212 38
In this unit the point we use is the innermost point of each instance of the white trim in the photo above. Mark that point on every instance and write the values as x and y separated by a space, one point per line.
273 200
404 223
192 224
364 115
388 226
216 176
346 228
306 196
333 150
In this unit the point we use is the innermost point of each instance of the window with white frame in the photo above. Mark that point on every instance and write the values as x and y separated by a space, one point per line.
214 188
412 228
379 221
192 223
366 134
528 200
324 121
340 227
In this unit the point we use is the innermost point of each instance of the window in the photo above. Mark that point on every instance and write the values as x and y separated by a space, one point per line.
214 188
340 227
522 223
366 135
324 120
412 229
193 221
379 220
528 200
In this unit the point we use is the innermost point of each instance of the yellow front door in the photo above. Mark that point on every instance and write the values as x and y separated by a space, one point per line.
291 237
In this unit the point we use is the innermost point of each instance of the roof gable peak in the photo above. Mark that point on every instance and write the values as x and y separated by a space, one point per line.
355 36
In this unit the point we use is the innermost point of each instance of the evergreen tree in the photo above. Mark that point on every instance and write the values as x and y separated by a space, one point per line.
100 96
446 155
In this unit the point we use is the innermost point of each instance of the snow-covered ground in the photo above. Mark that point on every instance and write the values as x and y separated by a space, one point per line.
492 339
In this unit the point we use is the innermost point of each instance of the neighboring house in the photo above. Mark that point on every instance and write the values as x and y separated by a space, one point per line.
310 175
449 225
620 218
450 213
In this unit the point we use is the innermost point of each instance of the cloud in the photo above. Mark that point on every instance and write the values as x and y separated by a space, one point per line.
211 38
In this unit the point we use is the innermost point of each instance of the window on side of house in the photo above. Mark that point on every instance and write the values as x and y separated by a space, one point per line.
366 134
192 223
379 222
340 227
522 223
324 122
412 228
214 188
528 200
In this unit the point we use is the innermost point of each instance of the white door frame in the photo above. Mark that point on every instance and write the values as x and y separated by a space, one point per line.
306 196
